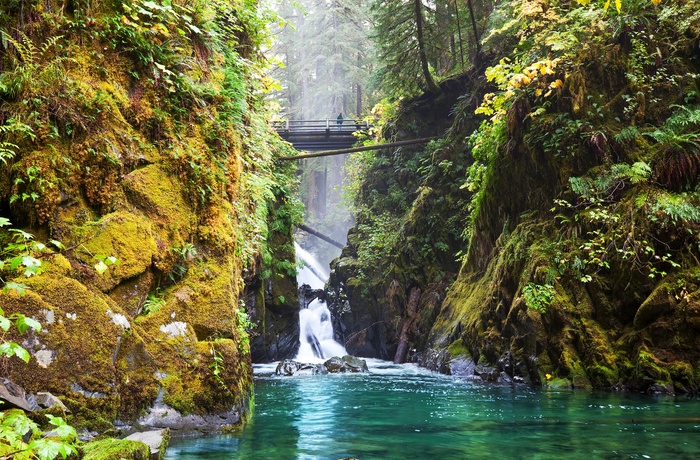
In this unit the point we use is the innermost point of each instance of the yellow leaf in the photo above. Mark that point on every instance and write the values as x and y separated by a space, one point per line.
556 84
607 5
583 2
618 5
548 376
655 2
538 92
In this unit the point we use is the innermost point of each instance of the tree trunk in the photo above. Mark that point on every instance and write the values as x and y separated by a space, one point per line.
459 33
409 319
358 102
476 33
432 86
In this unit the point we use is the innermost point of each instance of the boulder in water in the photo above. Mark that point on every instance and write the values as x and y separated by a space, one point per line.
347 363
290 367
156 440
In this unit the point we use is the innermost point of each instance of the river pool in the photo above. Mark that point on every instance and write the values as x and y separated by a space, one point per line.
404 412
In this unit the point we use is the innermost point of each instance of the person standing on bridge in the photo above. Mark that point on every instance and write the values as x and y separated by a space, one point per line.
340 120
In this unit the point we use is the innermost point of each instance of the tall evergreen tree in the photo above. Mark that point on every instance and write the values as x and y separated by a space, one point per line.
419 40
327 58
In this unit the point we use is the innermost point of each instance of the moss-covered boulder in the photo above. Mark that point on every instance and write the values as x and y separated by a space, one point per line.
152 188
116 449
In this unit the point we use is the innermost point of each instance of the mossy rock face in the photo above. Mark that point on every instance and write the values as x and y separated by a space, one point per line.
457 349
75 352
206 299
131 294
159 196
116 449
657 304
128 169
128 237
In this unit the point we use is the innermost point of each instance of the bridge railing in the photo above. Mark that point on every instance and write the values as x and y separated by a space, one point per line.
315 126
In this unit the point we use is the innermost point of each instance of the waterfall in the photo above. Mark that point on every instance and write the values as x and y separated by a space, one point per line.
315 325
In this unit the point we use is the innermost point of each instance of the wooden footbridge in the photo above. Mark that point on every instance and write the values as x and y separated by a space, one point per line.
328 137
317 135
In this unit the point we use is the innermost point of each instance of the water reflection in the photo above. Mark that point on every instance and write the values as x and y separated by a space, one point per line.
407 413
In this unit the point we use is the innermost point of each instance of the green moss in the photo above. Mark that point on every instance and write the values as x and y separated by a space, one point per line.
5 449
116 449
602 376
658 303
574 368
683 376
180 396
457 349
127 237
649 369
159 195
558 383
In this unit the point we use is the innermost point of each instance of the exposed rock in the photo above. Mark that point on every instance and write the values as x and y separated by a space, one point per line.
13 395
162 416
290 367
157 441
277 334
462 367
347 363
659 302
44 357
174 329
47 401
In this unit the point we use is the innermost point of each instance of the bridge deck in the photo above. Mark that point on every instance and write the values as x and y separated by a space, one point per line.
319 135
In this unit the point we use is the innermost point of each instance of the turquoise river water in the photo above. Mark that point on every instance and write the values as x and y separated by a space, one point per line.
407 413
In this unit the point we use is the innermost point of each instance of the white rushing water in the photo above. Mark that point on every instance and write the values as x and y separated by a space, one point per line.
315 325
312 273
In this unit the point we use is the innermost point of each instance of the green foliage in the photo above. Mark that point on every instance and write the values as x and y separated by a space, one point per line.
18 256
672 210
153 303
611 179
217 367
11 133
34 69
104 262
380 235
244 327
623 232
678 148
538 297
14 424
153 33
446 42
19 253
186 254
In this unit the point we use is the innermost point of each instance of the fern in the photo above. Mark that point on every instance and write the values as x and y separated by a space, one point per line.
678 148
627 134
609 180
12 128
33 68
639 172
152 304
681 209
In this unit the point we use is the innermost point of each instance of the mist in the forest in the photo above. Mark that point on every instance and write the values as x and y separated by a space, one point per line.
323 64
